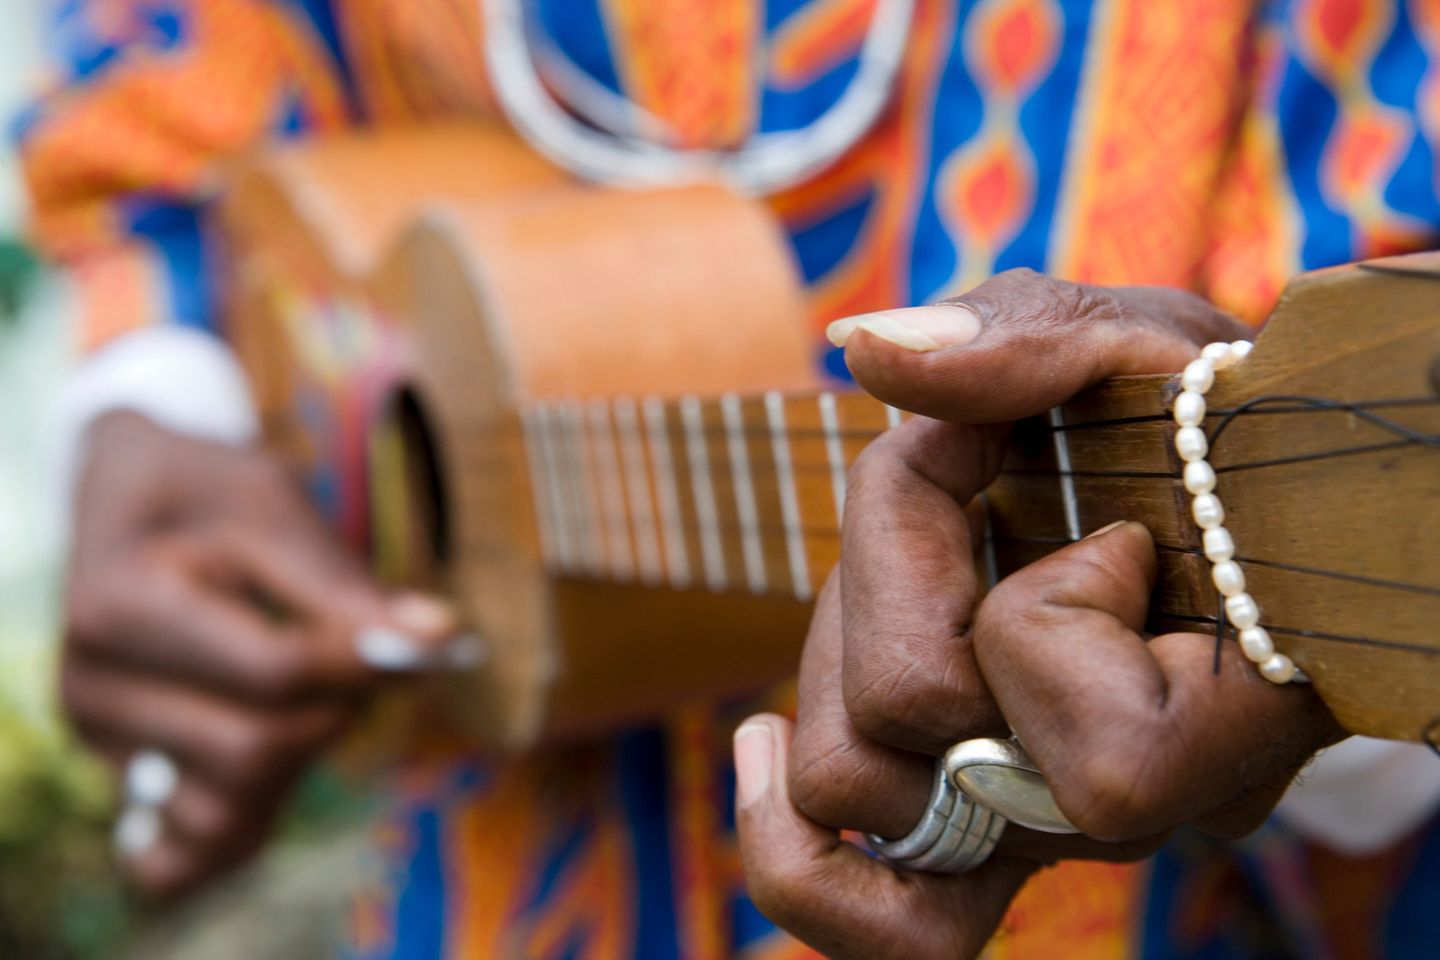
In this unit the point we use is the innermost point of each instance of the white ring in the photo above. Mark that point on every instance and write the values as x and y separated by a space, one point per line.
150 779
137 830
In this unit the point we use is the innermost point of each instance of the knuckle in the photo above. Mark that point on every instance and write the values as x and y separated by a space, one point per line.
281 675
918 701
213 820
1110 795
251 751
779 892
821 783
90 612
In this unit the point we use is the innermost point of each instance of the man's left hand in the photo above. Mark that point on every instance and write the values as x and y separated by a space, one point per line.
1135 736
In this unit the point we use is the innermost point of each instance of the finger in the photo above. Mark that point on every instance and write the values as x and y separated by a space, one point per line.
833 896
1133 737
351 626
909 584
173 613
230 745
839 777
176 864
1022 343
1050 848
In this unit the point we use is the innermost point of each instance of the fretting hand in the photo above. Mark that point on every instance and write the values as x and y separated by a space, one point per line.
1135 737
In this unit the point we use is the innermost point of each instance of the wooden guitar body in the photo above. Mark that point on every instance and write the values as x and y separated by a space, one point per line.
590 417
465 288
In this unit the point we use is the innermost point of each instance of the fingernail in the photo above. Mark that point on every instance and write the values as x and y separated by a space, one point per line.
921 329
754 755
390 650
386 649
1106 529
422 614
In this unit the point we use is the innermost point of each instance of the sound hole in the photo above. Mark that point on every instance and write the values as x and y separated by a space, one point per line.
411 536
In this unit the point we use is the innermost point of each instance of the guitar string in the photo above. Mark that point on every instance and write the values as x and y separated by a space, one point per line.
1378 643
1270 404
1315 571
1299 404
1154 417
1407 435
1258 405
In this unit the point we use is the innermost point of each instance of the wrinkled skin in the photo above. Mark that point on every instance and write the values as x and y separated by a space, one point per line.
209 614
1136 735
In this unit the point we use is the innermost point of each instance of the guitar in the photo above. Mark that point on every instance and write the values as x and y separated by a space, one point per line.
590 416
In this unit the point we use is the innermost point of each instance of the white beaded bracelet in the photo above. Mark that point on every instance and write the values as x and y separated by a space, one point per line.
1199 478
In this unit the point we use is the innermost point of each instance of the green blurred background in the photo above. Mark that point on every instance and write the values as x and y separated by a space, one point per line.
57 895
60 898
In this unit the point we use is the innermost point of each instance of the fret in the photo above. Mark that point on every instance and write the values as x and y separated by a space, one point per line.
667 493
637 489
542 487
834 451
743 481
1067 478
564 528
582 486
612 494
789 501
703 491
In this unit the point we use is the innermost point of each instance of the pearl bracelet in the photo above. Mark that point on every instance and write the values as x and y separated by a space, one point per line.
1209 513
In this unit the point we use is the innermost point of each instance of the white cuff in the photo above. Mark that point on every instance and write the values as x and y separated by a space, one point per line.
1362 795
182 379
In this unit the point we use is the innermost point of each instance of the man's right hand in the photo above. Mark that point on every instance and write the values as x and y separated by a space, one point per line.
210 616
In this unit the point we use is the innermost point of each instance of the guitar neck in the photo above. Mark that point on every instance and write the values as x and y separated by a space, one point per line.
746 493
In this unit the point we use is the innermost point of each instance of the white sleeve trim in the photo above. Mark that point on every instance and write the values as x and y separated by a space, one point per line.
181 378
1362 795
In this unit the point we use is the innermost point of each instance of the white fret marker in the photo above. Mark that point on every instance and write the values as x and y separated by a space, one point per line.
612 494
667 493
1067 478
745 508
637 489
554 486
789 501
834 451
704 492
582 482
892 417
542 484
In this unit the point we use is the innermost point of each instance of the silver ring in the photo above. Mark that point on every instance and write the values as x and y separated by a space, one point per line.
137 829
955 834
150 779
1000 776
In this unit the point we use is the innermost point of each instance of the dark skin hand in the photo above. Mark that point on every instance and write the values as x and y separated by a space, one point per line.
210 615
1135 735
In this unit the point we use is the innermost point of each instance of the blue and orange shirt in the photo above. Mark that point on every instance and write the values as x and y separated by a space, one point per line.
1216 145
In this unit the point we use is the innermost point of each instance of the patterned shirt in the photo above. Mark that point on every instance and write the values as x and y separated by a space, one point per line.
1216 145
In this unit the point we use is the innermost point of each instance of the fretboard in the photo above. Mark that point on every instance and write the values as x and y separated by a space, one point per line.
740 493
727 493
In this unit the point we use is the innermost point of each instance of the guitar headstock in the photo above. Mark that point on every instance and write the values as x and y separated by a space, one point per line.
1329 469
1328 464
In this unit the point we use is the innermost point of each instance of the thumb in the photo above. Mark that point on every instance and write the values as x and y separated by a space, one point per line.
830 894
1022 343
